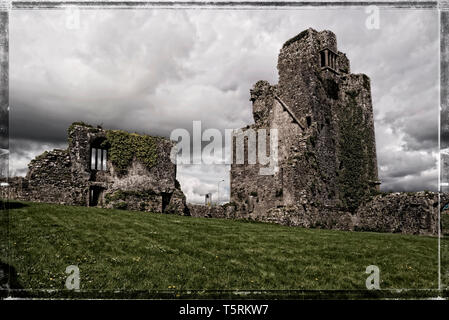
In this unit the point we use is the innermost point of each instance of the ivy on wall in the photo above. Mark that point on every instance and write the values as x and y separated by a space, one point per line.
355 170
123 147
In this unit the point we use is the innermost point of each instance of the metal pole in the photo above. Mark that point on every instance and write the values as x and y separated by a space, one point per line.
218 193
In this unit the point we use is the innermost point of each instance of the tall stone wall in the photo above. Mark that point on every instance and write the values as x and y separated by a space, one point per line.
324 117
356 149
327 173
48 179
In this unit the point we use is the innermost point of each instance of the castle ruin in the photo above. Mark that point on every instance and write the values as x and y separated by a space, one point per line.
324 117
104 168
326 174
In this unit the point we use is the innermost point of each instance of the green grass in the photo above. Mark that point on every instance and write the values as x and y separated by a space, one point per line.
445 251
139 251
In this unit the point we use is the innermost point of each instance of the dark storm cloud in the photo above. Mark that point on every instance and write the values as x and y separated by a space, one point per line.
23 151
444 129
151 71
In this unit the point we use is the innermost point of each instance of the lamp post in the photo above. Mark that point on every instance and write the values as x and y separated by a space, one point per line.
218 191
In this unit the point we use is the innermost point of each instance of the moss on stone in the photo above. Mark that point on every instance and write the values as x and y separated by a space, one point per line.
94 130
72 126
117 195
40 157
77 123
122 195
121 205
312 141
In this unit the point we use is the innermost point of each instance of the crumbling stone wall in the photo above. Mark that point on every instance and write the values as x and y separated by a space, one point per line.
202 211
139 173
412 213
324 117
406 213
327 173
48 180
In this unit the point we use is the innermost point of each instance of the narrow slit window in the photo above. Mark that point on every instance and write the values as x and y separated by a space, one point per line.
328 59
98 159
323 59
309 121
105 159
98 164
92 158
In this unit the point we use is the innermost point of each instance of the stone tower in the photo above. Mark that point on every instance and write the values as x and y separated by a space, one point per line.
324 117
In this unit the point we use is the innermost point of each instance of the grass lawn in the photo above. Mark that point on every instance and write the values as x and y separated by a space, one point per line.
137 251
445 252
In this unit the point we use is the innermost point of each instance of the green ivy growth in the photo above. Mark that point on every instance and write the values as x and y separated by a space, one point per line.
117 195
331 87
120 205
123 147
77 123
356 171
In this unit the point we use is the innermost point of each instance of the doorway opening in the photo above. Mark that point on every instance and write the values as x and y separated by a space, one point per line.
166 197
95 196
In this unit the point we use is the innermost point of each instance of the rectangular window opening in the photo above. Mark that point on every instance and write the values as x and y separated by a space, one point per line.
98 159
323 60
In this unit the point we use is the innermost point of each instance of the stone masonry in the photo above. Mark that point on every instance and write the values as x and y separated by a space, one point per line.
324 117
104 168
326 175
327 166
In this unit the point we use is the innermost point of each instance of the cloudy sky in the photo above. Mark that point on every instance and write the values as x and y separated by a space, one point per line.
154 70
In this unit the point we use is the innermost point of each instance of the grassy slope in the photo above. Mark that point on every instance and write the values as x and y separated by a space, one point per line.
117 249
